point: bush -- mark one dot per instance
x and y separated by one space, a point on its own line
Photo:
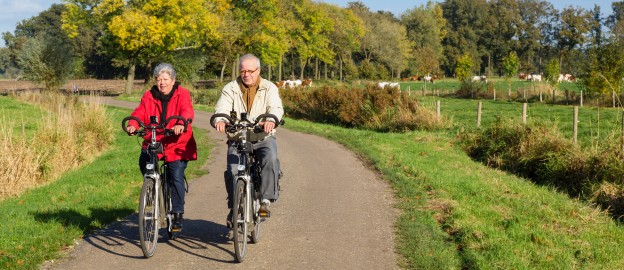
542 154
370 108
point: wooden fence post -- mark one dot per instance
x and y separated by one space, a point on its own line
524 113
575 123
479 115
613 98
581 98
409 90
623 131
438 109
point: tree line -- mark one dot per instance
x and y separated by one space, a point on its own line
311 39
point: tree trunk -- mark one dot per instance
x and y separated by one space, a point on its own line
316 69
148 72
270 69
223 68
234 71
279 75
303 64
130 80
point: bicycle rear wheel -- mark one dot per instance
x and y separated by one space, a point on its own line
240 225
148 221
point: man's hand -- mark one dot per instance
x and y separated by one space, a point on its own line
220 126
268 126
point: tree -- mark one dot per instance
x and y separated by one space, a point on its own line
575 25
551 74
44 59
345 36
463 70
510 68
142 30
425 29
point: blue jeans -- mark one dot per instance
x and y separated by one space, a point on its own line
175 175
264 151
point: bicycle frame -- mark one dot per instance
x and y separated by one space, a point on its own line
156 197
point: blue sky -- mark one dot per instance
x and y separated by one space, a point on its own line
13 11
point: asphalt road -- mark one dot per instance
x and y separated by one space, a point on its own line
333 213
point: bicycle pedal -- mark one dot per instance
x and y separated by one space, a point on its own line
264 214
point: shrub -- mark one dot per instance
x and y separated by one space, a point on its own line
371 108
542 154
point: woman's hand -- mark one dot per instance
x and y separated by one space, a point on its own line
178 129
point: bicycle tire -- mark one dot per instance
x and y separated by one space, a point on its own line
148 221
239 223
255 233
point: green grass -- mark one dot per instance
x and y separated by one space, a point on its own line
21 116
459 214
43 222
595 124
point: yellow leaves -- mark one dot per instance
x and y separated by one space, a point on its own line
135 30
108 7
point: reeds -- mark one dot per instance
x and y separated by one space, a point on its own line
71 134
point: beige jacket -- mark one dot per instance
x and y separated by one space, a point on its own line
267 100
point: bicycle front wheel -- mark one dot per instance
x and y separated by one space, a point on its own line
240 224
148 221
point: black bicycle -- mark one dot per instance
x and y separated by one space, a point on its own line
246 218
155 201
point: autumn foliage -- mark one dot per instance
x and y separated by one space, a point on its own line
370 108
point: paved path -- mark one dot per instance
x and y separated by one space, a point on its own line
333 213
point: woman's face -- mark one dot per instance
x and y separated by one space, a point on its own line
164 82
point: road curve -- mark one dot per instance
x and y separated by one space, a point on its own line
333 213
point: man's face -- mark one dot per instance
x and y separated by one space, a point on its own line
249 71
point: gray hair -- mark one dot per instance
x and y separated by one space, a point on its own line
248 57
164 68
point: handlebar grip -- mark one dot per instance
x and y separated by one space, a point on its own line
226 116
268 115
177 117
125 120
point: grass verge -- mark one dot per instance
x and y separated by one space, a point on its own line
459 214
44 221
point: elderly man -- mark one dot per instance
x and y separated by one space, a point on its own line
253 95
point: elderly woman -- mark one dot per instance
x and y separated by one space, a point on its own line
165 99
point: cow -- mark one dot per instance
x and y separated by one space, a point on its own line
307 82
535 78
389 84
427 79
279 84
479 79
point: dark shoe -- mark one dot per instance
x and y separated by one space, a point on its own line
264 210
178 219
228 221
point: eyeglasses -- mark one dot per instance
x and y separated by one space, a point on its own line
243 72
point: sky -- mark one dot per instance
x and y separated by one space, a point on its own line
14 11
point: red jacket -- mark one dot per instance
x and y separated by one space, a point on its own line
177 147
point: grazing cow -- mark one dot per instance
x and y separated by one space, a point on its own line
280 84
522 76
414 78
307 82
427 79
389 84
479 79
565 78
535 78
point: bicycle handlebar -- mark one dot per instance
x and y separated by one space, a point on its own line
152 126
233 121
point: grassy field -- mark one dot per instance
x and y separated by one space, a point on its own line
595 124
44 221
455 213
459 214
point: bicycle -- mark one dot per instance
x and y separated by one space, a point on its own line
246 218
155 200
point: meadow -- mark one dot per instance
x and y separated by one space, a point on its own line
456 213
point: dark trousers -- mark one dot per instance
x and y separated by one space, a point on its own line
175 176
266 153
